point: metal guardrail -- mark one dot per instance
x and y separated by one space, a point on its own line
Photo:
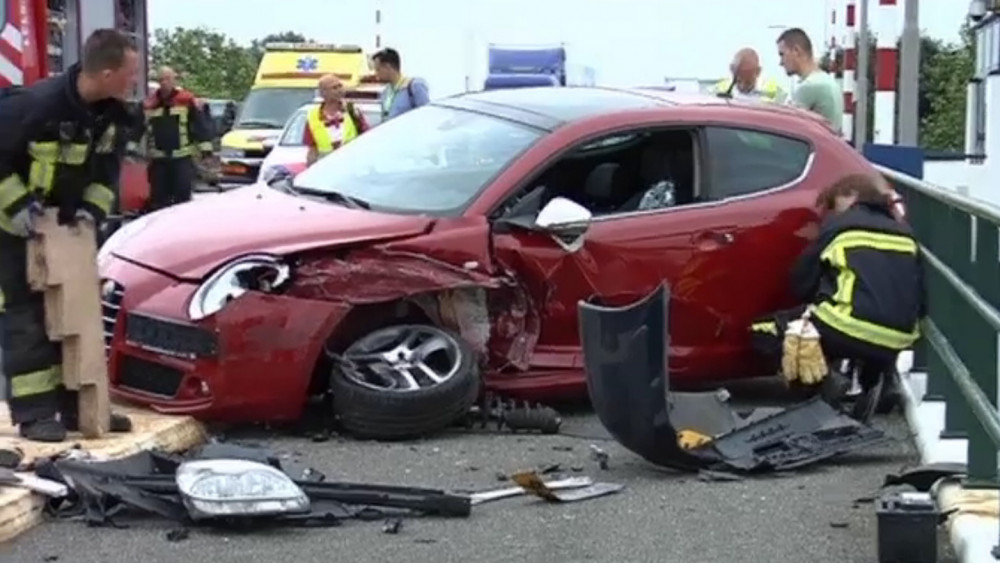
961 345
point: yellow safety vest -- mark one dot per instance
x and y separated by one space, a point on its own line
320 135
769 90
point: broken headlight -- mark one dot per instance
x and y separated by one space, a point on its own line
258 272
232 487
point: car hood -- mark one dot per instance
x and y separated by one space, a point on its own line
191 239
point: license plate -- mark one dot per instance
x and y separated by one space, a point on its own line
236 169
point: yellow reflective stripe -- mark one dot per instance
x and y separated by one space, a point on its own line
769 327
350 129
35 383
179 153
106 143
6 224
101 196
180 111
11 190
321 137
838 313
3 302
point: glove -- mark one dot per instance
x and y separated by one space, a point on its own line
84 215
802 357
23 222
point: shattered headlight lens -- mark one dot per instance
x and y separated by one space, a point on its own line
259 272
230 487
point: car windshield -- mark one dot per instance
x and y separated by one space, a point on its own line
431 160
269 108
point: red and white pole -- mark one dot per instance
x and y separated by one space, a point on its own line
889 24
850 66
378 27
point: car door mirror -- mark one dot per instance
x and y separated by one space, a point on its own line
567 222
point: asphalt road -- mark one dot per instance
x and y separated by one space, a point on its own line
823 515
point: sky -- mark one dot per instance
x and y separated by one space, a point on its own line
628 42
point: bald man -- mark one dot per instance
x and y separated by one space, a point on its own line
175 132
745 69
333 122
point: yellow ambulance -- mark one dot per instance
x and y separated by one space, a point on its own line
286 80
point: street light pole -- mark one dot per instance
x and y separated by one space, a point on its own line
909 76
861 81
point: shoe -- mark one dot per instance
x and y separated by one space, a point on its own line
44 430
119 423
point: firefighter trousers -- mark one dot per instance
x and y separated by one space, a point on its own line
768 333
171 181
31 363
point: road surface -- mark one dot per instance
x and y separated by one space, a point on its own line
819 516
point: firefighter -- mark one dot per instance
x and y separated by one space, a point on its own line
333 122
175 132
62 145
745 80
863 280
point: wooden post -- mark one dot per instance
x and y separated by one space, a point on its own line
62 263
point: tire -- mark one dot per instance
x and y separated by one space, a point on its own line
380 414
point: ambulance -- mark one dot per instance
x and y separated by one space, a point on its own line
286 80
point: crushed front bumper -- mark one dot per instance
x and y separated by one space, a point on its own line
625 357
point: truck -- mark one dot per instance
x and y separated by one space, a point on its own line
527 66
41 38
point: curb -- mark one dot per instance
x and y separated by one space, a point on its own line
972 536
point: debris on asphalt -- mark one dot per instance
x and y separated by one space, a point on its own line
392 526
533 484
923 477
10 458
515 416
838 524
508 492
628 383
549 468
600 456
710 476
178 534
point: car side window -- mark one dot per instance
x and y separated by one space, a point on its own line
295 131
744 161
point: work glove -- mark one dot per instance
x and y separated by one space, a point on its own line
802 357
23 222
84 216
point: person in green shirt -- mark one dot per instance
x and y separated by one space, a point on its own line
817 91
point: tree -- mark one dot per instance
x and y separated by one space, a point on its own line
210 64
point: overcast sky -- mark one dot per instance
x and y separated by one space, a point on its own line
628 41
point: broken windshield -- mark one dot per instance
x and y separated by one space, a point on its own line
431 160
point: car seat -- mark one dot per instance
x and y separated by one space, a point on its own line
654 169
603 184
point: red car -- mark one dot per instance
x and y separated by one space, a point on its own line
450 246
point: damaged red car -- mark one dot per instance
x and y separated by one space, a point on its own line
444 253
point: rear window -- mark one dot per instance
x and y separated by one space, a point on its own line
744 161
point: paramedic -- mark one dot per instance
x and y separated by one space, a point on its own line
62 147
402 94
749 84
331 123
863 277
175 131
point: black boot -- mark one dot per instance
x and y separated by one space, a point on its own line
44 430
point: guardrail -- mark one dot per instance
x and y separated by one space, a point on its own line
959 237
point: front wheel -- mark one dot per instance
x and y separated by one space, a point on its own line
404 381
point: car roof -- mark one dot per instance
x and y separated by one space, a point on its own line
549 107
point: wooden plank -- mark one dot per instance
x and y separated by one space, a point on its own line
21 509
62 263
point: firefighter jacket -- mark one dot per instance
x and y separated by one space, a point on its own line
175 126
350 129
864 276
59 151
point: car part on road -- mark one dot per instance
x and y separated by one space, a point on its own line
534 485
923 477
625 358
403 381
559 484
516 416
152 482
907 527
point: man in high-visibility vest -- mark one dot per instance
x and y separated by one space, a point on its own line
745 68
332 123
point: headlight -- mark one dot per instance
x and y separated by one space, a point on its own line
259 272
231 153
233 487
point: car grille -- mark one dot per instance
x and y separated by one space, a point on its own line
148 377
111 303
169 338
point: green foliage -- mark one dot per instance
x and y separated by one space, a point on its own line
210 64
946 76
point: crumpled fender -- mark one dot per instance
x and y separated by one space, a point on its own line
625 359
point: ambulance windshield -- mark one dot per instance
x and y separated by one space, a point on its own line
270 108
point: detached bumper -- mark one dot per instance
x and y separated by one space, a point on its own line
625 358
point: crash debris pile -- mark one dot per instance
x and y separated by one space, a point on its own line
230 485
626 367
